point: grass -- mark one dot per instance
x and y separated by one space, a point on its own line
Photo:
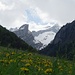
17 62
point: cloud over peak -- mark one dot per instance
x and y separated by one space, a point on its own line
14 13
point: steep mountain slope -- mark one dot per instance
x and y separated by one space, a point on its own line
27 36
9 39
47 35
63 43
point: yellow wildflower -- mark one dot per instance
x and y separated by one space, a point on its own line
29 54
49 70
60 68
24 69
27 65
7 54
13 53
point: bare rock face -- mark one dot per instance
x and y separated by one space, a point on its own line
24 28
24 33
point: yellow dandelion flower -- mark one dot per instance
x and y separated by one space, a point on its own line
11 60
39 68
24 69
50 70
24 54
50 63
46 65
30 60
7 54
13 53
29 54
23 60
27 65
60 68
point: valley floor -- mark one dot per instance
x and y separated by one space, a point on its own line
17 62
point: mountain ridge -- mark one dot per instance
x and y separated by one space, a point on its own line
39 38
63 43
24 33
9 39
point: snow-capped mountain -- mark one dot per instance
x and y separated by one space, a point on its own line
37 39
47 35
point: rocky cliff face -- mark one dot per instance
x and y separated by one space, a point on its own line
27 36
63 43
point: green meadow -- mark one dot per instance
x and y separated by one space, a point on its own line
18 62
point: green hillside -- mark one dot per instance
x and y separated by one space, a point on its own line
9 39
18 62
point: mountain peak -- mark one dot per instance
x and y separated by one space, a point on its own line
24 26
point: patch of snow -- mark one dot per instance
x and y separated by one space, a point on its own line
35 41
21 28
46 37
42 47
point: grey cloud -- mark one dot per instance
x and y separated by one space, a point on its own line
60 10
8 17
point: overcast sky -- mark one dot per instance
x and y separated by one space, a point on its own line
14 13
